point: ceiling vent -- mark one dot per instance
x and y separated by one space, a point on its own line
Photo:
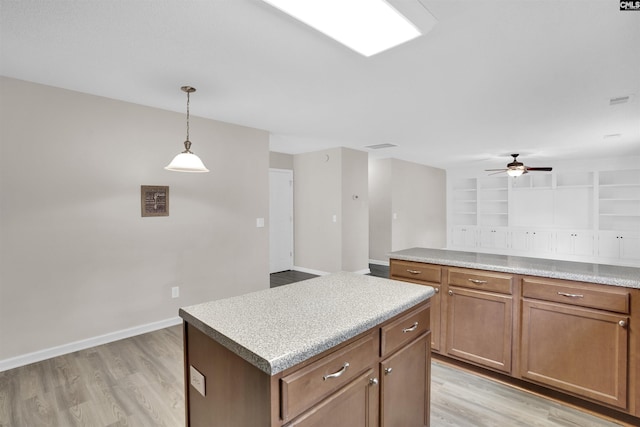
379 146
619 100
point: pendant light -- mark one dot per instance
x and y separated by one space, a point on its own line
187 161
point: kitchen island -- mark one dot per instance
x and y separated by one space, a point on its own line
568 330
342 348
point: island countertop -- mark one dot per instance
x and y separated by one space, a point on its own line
277 328
578 271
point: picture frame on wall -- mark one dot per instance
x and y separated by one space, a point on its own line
154 200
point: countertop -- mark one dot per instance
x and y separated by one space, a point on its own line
628 277
277 328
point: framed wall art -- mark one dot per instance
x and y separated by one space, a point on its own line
154 200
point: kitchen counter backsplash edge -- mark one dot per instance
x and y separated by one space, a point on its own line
603 274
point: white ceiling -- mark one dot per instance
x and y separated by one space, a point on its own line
492 77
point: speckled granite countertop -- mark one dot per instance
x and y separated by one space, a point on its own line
583 272
278 328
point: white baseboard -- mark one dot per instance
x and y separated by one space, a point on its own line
48 353
376 262
365 271
310 271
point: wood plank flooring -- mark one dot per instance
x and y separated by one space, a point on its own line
132 382
139 382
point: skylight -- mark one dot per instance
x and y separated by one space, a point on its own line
366 26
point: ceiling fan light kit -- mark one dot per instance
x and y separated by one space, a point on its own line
187 161
516 168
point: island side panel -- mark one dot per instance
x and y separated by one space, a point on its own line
236 392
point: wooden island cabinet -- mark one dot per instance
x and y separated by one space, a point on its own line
378 377
578 338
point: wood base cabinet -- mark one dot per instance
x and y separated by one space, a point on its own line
479 327
381 378
356 404
576 339
580 339
405 386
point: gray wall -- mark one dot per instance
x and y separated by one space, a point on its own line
416 195
76 258
324 184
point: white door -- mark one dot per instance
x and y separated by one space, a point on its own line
280 220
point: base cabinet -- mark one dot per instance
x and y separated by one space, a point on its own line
581 339
380 378
356 404
405 386
479 327
579 350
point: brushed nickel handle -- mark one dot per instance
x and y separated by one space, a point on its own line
414 271
622 323
437 290
410 328
373 381
337 373
387 371
564 294
477 282
450 292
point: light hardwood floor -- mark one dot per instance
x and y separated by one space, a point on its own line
139 382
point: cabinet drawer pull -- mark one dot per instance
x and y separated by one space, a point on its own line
622 323
436 290
410 328
450 292
387 371
414 271
564 294
373 381
337 373
477 282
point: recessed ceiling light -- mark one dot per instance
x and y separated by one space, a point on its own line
366 26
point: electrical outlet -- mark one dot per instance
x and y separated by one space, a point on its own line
175 292
197 380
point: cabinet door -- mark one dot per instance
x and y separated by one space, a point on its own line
541 242
583 243
630 246
576 349
354 405
464 237
405 383
479 327
609 244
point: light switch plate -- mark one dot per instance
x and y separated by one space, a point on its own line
197 380
259 222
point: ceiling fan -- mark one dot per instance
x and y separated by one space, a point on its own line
517 168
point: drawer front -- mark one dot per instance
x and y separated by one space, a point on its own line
405 329
483 280
415 271
302 389
602 298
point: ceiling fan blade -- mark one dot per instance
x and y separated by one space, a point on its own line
499 171
539 169
491 170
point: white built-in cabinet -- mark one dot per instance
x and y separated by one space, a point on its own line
589 215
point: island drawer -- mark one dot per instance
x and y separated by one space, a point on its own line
401 331
312 383
415 271
485 280
600 297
